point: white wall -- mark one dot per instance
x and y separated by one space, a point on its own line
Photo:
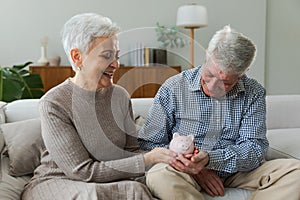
283 47
24 23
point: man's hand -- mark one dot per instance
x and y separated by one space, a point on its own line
193 165
196 151
210 182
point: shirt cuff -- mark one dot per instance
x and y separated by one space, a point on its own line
215 160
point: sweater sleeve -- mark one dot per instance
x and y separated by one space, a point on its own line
69 154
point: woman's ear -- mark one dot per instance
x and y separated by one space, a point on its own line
76 57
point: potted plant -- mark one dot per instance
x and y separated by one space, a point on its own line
169 37
16 82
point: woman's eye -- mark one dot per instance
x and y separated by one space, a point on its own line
110 56
117 57
107 56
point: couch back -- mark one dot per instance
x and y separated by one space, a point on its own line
283 111
28 108
21 110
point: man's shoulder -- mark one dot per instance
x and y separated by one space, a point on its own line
252 85
187 76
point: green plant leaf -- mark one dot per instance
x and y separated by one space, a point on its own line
21 66
34 81
12 90
16 83
33 94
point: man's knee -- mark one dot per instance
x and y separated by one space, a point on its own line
157 174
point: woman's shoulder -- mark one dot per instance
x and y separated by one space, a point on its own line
120 92
60 91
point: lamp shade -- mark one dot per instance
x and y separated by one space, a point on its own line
191 16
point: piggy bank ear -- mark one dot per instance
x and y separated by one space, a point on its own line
191 137
175 135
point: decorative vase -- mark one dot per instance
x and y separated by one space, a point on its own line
54 61
43 60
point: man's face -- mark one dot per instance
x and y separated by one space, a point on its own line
216 83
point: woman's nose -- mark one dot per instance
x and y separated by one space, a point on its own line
115 64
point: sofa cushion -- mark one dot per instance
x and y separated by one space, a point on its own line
2 114
1 141
231 194
284 143
24 145
22 109
139 120
141 106
10 187
2 121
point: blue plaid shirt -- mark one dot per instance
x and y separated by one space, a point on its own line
232 129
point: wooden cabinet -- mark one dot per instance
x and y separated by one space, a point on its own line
140 82
52 75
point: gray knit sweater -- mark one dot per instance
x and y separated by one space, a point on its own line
89 136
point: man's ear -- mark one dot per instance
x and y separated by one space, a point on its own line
76 57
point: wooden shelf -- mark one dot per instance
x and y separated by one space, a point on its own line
52 75
140 82
144 82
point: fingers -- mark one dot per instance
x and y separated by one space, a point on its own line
202 156
185 165
210 182
188 156
159 155
164 155
216 186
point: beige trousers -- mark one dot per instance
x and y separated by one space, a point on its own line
276 179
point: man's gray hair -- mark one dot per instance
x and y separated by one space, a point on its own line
81 30
232 51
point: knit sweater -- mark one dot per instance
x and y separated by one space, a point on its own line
89 136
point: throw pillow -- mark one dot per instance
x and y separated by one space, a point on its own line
2 120
2 115
1 142
24 145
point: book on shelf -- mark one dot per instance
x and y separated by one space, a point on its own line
145 56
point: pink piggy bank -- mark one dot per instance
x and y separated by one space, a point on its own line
182 144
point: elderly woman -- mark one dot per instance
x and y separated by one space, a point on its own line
87 127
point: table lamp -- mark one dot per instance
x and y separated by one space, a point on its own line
191 16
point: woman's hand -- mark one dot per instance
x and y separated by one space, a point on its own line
158 155
210 182
191 165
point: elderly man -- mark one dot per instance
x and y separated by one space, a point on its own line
226 112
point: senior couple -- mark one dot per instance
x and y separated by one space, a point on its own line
94 152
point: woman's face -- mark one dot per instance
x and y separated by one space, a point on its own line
101 61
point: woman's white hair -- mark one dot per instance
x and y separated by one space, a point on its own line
81 30
232 51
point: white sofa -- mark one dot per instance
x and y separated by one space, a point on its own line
283 123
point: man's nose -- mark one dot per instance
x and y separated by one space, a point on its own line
215 83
